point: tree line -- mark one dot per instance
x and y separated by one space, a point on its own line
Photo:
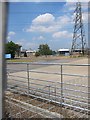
43 49
12 48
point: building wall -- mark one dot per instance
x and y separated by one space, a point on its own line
63 52
30 54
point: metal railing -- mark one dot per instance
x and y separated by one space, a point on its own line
62 84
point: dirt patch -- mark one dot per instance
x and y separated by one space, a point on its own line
15 110
44 58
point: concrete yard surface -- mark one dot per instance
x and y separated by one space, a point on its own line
46 81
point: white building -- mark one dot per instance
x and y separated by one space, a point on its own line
30 53
64 51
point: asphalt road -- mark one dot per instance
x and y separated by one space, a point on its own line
23 67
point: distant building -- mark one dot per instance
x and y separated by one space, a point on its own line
22 52
77 52
65 52
30 53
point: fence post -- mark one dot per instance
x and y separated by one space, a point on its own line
49 96
3 82
61 84
28 76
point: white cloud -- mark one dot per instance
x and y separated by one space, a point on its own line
27 44
48 23
69 6
38 38
43 23
8 38
31 45
85 17
64 20
11 33
41 38
43 28
44 19
84 6
62 34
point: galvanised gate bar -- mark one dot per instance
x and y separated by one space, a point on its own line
47 90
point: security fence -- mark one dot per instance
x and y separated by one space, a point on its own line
47 90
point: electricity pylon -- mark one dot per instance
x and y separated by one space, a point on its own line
79 40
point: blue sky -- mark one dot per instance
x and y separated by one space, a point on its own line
33 23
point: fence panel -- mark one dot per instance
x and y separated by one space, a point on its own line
57 90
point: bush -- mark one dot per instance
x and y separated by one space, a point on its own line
25 54
37 54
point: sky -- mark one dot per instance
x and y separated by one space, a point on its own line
33 23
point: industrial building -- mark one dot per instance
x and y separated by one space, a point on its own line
64 52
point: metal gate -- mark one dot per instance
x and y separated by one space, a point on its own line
47 90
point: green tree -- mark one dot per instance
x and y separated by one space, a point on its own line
44 50
12 48
37 54
18 47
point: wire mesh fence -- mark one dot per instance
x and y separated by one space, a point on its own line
47 90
